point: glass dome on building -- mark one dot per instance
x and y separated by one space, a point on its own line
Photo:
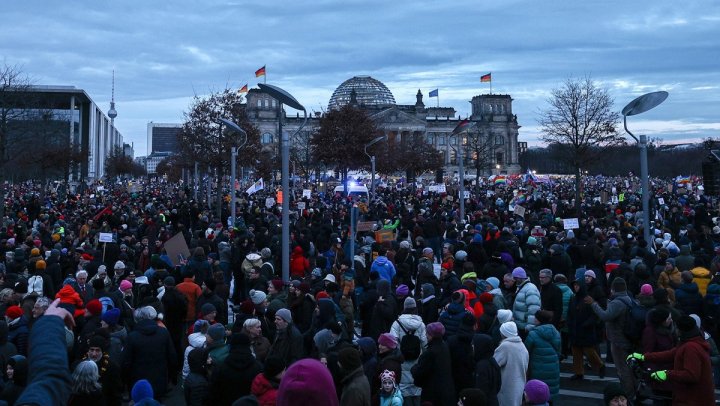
368 91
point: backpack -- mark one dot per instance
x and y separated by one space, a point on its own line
634 321
410 344
35 285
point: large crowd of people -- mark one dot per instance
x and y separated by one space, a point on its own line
430 308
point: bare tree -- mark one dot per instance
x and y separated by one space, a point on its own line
580 117
341 138
480 146
301 154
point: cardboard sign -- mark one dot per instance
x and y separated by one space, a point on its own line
520 211
301 205
177 249
364 226
384 235
106 237
269 202
569 224
306 193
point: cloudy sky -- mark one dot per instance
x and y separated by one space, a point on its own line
163 53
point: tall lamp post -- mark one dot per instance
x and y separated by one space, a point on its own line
642 104
233 165
286 98
463 126
372 163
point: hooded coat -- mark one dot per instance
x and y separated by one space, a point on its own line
299 265
543 344
264 390
384 268
582 321
410 323
688 299
307 383
195 385
149 354
12 390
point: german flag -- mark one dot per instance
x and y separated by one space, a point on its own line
260 72
486 78
243 89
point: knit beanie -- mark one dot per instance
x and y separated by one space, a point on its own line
519 273
13 312
125 285
350 359
494 282
119 265
509 329
409 303
216 332
307 383
207 308
504 315
537 392
435 330
40 264
257 296
111 317
402 290
285 315
94 307
278 284
646 290
388 340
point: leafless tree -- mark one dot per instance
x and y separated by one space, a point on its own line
580 117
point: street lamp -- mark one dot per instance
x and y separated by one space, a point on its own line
372 163
233 158
642 104
462 126
286 98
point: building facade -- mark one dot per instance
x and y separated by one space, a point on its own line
70 118
162 137
493 132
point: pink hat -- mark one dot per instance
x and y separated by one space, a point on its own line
388 340
646 290
125 285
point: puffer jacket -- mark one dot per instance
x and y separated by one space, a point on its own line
411 322
543 344
452 318
527 303
701 276
195 340
567 294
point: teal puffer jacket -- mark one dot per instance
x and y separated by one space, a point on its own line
543 345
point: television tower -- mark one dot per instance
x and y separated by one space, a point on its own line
112 113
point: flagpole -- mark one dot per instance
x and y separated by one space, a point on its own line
438 99
265 75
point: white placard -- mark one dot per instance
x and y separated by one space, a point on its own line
301 205
106 237
441 189
450 198
520 211
569 224
466 194
306 193
269 202
661 201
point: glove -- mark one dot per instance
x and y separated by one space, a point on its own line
635 355
659 376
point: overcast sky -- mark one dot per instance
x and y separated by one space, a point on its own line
165 52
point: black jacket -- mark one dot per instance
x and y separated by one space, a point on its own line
233 378
433 373
149 353
551 299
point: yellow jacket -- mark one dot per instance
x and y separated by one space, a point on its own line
701 276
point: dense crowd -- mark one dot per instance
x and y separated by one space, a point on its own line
430 308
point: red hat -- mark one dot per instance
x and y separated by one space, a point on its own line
94 307
322 295
87 257
486 297
278 284
13 312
